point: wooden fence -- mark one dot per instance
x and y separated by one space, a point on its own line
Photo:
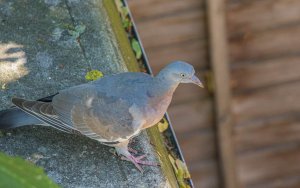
244 131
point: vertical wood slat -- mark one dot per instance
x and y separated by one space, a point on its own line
220 65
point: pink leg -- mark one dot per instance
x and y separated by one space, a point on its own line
123 150
139 160
132 150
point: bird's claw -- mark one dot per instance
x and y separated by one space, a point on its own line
138 160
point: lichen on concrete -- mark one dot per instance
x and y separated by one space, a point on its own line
41 57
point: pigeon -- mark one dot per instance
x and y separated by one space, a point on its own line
111 110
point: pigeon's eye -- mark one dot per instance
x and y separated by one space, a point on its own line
182 75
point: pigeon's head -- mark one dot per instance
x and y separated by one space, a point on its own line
181 72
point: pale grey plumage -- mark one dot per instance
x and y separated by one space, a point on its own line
114 108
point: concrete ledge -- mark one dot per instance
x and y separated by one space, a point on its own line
40 54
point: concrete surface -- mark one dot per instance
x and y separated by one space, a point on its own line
39 55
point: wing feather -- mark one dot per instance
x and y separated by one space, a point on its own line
37 109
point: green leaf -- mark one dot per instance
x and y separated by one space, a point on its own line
93 75
127 23
136 48
16 172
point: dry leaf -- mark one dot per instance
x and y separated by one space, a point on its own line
162 126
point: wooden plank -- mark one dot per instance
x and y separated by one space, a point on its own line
253 75
253 107
173 29
224 121
269 165
150 9
194 52
192 116
282 182
198 145
275 131
265 45
243 17
205 174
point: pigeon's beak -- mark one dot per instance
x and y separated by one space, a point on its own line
196 81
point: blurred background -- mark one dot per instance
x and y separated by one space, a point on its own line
262 41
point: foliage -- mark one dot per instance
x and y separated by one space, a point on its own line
136 48
127 24
16 172
181 172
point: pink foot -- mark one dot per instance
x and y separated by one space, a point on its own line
123 151
138 160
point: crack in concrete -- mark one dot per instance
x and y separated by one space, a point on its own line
78 39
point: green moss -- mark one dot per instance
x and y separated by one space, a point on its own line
93 75
121 36
158 141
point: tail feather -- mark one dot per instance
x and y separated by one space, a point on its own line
15 117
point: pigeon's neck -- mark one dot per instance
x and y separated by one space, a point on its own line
160 95
164 84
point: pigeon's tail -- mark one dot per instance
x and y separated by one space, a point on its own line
15 117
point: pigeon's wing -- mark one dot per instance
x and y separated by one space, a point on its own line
44 112
97 114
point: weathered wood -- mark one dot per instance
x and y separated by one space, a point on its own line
198 145
224 120
264 50
253 107
265 45
183 24
277 130
192 116
254 75
151 9
194 52
270 165
205 174
290 181
255 16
